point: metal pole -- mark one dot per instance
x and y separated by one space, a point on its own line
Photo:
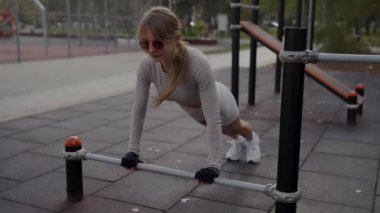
350 58
44 22
135 19
47 21
180 173
174 6
105 26
291 117
309 56
310 27
17 13
299 13
78 154
359 89
68 12
170 4
352 102
252 65
93 17
116 22
235 35
80 23
74 174
280 34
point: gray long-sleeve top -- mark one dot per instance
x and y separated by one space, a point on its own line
199 87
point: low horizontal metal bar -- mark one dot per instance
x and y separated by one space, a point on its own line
351 58
267 189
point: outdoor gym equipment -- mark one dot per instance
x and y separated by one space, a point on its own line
355 98
326 80
286 192
74 154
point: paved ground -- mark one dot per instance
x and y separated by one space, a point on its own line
33 48
37 86
339 164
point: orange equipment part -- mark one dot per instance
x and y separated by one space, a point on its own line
73 141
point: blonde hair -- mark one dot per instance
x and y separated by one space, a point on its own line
164 24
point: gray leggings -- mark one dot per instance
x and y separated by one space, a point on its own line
229 111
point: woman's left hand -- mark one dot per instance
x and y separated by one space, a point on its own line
207 175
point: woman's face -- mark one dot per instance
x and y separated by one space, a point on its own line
160 50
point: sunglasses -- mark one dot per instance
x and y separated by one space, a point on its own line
157 44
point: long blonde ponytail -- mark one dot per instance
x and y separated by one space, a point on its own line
177 73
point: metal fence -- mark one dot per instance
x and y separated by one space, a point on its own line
39 29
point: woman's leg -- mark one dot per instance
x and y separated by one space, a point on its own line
244 137
239 128
236 128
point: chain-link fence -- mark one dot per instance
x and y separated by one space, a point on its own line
39 29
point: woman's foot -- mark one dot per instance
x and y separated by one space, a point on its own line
236 149
253 149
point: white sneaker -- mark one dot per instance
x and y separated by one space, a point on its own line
236 149
253 149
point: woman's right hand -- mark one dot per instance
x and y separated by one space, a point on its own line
130 160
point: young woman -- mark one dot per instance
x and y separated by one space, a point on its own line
182 74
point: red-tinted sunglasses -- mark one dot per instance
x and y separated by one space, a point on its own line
157 44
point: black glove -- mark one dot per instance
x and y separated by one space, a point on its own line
207 175
130 160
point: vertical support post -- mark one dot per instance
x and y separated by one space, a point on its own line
93 16
68 13
46 29
351 108
116 22
235 34
252 64
174 7
80 23
291 119
280 34
42 9
74 178
299 13
310 28
17 14
135 18
360 90
106 26
47 21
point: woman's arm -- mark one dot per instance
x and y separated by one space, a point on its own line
139 106
211 112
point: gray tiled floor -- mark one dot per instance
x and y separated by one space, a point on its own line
339 169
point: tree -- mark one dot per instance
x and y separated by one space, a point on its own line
342 23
